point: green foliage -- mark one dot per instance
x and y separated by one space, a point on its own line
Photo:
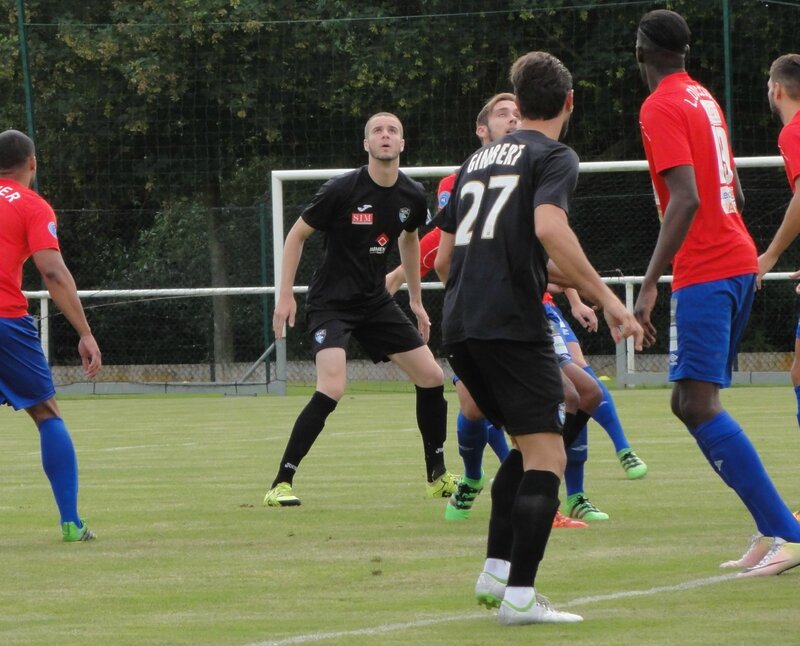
155 117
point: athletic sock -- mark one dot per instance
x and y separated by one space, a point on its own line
573 423
736 461
504 488
577 455
797 396
471 443
306 430
61 467
519 596
497 568
606 415
497 440
432 423
535 506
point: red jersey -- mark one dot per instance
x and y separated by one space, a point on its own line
27 225
789 145
681 125
429 243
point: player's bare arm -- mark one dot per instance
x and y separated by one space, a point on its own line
784 236
286 306
444 256
408 245
563 247
683 203
61 285
582 312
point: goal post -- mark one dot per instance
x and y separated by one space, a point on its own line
625 364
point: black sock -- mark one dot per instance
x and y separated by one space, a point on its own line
535 506
504 490
307 428
432 422
573 424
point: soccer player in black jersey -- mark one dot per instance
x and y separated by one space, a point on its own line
362 214
506 216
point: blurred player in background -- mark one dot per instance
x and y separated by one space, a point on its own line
28 228
362 213
783 93
714 276
507 215
784 100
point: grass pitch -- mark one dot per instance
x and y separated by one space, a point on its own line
186 554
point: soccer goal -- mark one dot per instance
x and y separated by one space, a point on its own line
621 195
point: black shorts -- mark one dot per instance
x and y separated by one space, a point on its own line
516 385
381 330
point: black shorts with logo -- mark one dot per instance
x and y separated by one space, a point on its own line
381 330
516 385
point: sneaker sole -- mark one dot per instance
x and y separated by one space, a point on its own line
488 601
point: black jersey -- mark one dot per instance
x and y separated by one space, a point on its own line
498 272
361 221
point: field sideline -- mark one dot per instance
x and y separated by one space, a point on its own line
186 554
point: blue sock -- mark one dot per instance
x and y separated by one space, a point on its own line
471 443
606 415
577 455
736 461
497 440
797 395
61 467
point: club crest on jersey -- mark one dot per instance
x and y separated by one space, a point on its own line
444 198
319 336
51 227
404 214
380 247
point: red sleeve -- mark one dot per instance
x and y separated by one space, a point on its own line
428 248
664 128
789 144
40 224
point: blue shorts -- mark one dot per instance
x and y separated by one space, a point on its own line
25 377
707 321
797 330
561 332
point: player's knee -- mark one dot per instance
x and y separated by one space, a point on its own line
469 409
795 372
430 376
43 410
591 397
333 388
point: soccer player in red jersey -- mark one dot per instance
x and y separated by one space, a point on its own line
783 92
715 267
28 228
784 100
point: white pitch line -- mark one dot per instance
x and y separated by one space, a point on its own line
388 628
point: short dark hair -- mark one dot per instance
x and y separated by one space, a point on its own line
666 30
541 84
486 110
15 149
786 71
381 114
